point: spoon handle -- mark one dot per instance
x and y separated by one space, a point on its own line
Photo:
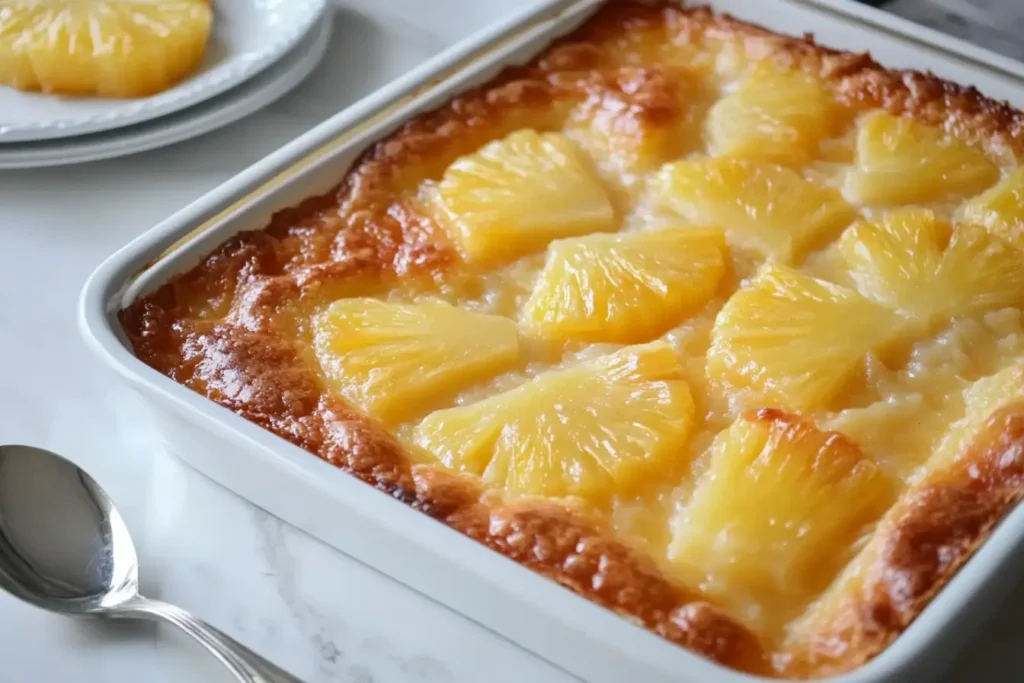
246 665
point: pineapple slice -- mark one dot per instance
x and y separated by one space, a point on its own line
777 514
110 48
1000 209
900 262
775 115
515 195
981 400
762 207
901 161
624 288
794 340
636 118
604 426
393 359
897 432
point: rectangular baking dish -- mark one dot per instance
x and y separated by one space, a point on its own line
539 615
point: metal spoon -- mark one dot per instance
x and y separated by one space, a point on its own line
65 548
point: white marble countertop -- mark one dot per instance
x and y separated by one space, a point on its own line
311 609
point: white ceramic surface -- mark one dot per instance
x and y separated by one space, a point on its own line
312 609
197 120
247 37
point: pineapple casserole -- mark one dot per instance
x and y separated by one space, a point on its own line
718 328
107 48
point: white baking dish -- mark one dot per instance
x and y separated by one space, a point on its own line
413 548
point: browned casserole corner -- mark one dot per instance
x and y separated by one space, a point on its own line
231 329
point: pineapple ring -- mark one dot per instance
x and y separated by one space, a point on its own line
602 427
109 48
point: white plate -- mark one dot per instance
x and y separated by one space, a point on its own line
248 36
202 118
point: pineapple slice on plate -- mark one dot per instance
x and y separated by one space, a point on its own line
515 195
624 288
763 207
792 340
901 161
775 115
393 359
778 513
981 399
913 261
605 426
110 48
1000 209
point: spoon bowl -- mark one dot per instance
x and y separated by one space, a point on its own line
65 548
63 545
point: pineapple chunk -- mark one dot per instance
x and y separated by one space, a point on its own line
515 195
775 115
778 513
604 426
897 432
1000 209
794 340
900 262
901 161
110 48
762 207
637 118
981 400
393 359
624 288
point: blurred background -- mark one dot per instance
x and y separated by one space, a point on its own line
995 24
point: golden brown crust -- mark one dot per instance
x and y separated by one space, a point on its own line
223 330
862 83
926 538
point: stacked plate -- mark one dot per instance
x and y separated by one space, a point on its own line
258 51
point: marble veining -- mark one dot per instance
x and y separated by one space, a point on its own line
315 611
